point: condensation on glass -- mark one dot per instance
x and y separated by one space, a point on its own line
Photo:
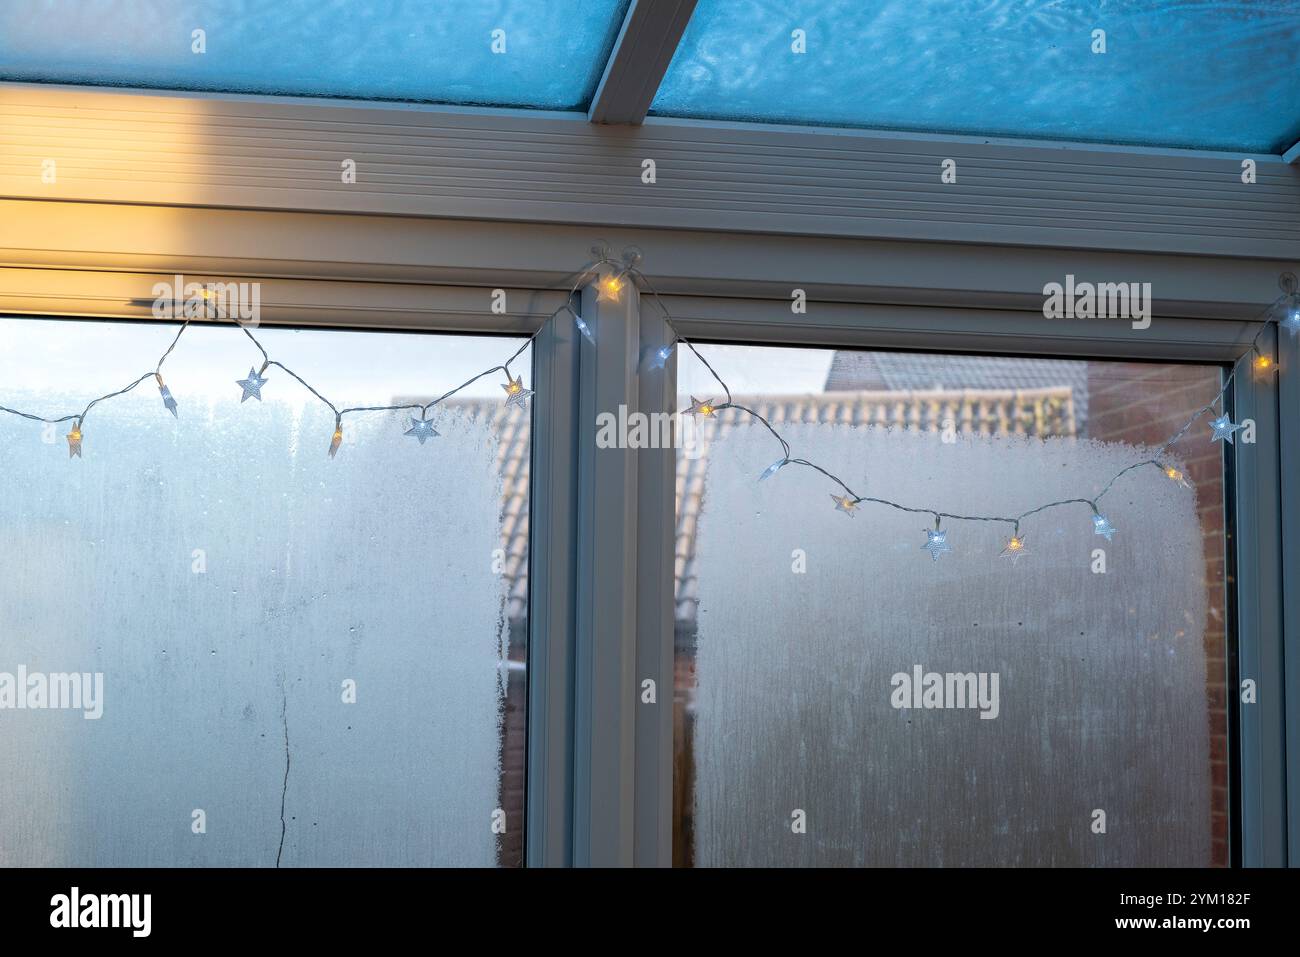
1208 75
794 619
237 588
544 56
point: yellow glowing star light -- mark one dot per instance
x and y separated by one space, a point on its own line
845 504
705 408
1014 547
609 289
74 441
516 394
1263 363
1176 476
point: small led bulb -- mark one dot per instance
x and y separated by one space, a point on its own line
1014 547
659 358
705 408
609 289
166 394
845 503
74 440
516 394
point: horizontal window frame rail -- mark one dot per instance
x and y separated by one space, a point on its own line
286 302
231 151
1001 332
341 248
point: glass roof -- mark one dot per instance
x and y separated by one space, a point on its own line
442 52
1209 74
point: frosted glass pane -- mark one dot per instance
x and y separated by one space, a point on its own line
227 578
794 619
1208 74
553 53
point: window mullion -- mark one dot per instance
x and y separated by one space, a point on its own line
1258 587
606 629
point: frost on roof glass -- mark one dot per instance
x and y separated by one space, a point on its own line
1184 73
512 53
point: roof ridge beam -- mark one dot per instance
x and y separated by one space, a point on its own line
637 64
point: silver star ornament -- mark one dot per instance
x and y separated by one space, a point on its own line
421 429
936 543
1223 429
252 386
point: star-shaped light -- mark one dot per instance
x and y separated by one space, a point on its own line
1223 429
705 408
1290 309
421 429
609 289
74 441
936 542
166 394
337 440
583 327
659 357
1174 475
773 469
1101 526
845 504
1014 548
516 394
252 386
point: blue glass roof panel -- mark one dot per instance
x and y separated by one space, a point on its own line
547 56
1208 74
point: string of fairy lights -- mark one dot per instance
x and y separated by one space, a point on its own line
611 277
421 429
1285 310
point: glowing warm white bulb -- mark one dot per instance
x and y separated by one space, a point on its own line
845 503
705 408
336 441
516 394
1014 547
609 288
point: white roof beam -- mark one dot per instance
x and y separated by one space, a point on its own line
644 48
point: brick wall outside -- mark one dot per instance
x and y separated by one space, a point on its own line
514 744
1146 403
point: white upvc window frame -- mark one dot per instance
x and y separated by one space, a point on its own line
740 216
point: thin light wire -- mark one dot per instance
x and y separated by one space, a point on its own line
629 269
1012 520
267 362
